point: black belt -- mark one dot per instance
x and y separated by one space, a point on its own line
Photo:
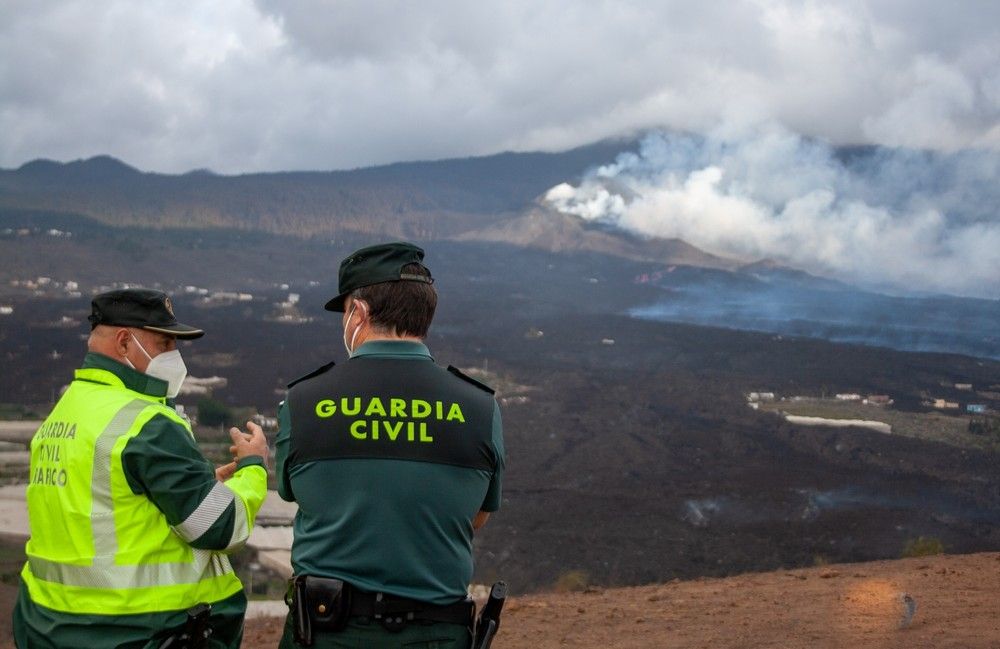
399 610
326 604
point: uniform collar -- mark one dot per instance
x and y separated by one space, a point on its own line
398 348
104 369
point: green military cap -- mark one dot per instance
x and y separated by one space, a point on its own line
376 264
142 308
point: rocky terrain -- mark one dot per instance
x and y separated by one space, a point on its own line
941 602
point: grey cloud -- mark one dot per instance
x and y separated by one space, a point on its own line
241 86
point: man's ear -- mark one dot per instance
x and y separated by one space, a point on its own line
122 339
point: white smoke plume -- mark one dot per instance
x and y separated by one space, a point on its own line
893 219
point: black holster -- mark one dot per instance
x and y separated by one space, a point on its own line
489 619
317 604
196 631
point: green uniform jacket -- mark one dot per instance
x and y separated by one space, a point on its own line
378 520
161 463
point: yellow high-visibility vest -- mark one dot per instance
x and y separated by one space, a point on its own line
96 547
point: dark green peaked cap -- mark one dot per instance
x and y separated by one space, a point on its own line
142 308
376 264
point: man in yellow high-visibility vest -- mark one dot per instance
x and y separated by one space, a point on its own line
130 524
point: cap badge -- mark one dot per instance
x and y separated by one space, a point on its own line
169 306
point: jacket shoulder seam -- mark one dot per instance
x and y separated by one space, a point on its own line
316 372
465 377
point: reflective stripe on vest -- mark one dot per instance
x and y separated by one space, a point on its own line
209 511
103 573
207 573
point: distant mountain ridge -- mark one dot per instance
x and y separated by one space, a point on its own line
491 199
423 200
97 167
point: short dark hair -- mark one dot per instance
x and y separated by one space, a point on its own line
403 307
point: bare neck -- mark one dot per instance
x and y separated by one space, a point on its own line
382 336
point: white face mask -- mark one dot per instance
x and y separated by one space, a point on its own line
350 347
168 366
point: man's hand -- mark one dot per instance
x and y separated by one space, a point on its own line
225 471
247 444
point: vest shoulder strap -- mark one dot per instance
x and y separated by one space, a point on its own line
465 377
316 372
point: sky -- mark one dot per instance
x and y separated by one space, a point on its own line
242 85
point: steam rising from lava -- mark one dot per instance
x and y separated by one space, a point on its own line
892 219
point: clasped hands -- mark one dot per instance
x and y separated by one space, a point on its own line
244 445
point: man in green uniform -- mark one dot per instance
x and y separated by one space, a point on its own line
394 463
129 522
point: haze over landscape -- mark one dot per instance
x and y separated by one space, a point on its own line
734 269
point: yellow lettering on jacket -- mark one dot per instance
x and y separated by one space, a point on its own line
375 408
326 408
455 413
419 409
392 419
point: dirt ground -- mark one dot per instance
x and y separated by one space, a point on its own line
849 606
855 606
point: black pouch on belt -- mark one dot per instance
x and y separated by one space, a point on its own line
328 602
317 603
